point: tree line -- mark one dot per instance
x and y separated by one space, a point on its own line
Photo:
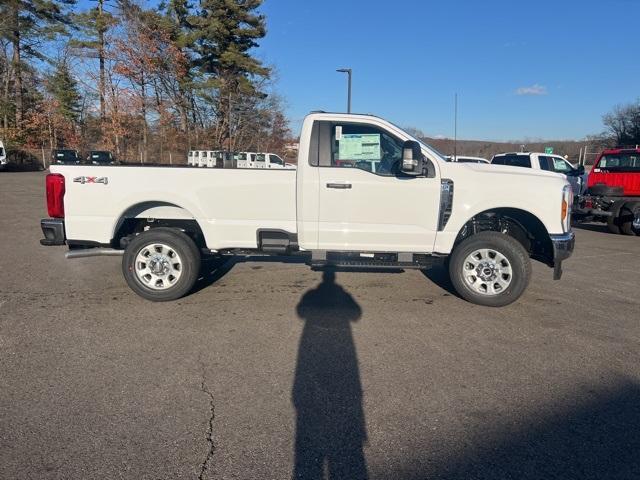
136 80
622 125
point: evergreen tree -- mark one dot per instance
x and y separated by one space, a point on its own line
25 23
63 88
225 32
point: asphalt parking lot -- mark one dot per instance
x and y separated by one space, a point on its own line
272 371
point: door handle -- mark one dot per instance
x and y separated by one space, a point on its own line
339 185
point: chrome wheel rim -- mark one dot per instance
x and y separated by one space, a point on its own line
487 271
158 266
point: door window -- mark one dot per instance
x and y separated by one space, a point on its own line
365 147
545 163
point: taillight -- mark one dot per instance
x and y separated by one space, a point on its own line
55 195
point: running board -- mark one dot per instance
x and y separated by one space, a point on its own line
93 252
373 261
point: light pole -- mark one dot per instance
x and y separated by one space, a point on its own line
348 72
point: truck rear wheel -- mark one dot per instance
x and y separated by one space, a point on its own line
161 264
627 214
490 268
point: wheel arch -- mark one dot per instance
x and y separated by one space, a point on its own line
152 214
520 224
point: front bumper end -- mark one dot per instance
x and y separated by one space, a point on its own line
563 246
53 230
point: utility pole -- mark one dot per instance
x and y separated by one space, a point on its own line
455 128
348 72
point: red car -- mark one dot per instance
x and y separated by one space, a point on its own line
613 191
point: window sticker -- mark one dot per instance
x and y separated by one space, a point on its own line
359 146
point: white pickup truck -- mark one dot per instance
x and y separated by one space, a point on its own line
335 211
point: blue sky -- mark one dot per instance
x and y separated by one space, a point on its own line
544 69
522 70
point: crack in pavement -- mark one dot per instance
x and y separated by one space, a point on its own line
205 464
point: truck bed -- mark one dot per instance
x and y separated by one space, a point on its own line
229 204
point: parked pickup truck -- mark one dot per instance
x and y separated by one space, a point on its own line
545 161
613 193
334 211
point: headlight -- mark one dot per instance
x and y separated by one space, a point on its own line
565 210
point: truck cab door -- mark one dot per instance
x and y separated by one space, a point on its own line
364 202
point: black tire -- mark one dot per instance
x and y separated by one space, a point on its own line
509 247
600 189
182 245
625 219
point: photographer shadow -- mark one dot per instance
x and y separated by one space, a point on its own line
327 391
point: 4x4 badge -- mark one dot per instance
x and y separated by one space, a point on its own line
84 180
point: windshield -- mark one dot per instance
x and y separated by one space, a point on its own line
621 162
442 156
100 157
66 155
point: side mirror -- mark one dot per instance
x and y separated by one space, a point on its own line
580 170
412 159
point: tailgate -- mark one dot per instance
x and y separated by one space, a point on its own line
629 181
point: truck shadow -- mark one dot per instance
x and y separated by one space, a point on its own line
213 268
327 391
439 275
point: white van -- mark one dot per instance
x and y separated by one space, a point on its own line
199 158
3 155
211 158
217 158
244 159
192 158
202 158
267 160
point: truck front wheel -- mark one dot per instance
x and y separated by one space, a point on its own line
628 214
161 264
490 268
613 222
